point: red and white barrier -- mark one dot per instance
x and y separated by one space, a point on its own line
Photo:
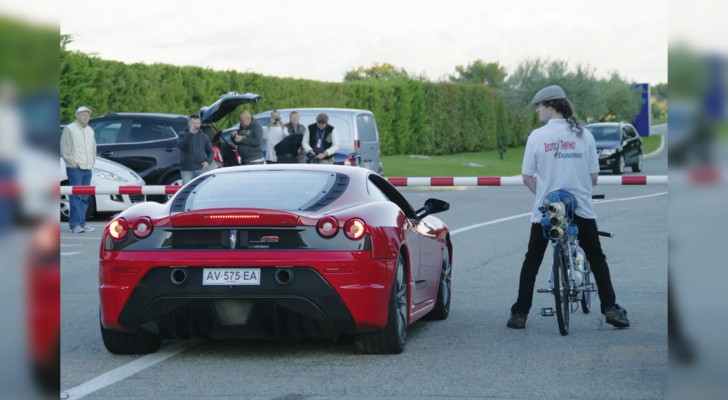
435 181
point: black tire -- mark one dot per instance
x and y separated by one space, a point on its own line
444 291
391 339
561 291
619 166
637 167
128 343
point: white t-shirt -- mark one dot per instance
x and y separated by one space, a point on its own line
561 160
275 135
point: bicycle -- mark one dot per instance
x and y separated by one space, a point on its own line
570 279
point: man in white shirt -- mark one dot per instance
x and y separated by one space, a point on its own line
562 155
78 149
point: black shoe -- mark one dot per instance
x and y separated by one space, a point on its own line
517 321
616 316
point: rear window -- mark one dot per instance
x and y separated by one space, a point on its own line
367 128
279 190
605 132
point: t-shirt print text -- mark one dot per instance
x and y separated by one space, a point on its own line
559 148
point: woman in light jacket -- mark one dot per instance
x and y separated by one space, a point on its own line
276 132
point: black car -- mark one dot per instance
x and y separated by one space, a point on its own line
618 146
147 142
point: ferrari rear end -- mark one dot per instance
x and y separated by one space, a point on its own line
243 255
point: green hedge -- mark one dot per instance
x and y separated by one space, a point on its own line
413 116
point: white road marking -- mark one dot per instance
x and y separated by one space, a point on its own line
127 370
82 238
70 253
496 221
70 245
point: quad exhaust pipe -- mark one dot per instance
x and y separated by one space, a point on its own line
284 276
178 276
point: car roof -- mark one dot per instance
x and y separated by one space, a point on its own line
609 123
143 115
319 110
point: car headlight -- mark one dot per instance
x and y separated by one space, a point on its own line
607 152
102 173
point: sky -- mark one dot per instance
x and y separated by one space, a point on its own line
323 39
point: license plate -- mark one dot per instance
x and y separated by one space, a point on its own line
231 276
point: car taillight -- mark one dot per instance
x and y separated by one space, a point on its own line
327 226
217 154
354 228
142 227
118 228
349 161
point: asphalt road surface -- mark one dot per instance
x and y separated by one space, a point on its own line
471 355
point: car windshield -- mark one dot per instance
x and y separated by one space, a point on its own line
280 190
610 133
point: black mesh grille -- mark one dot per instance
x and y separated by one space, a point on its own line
342 181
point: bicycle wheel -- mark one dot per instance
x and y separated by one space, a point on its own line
561 290
586 294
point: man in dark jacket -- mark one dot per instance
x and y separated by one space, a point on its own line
321 141
249 139
196 155
287 149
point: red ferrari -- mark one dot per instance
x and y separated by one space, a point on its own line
275 251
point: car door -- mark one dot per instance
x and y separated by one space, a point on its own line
629 145
110 137
368 138
150 149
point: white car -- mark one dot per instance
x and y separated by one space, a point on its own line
105 173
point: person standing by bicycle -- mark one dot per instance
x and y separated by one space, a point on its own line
562 155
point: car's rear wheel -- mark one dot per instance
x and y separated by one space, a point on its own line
128 343
638 166
391 339
442 304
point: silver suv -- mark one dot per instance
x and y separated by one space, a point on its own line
357 130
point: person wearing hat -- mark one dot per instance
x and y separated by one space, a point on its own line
78 149
564 157
321 142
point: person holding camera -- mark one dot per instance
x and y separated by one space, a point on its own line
249 139
276 132
321 142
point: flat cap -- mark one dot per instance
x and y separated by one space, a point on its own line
82 109
552 92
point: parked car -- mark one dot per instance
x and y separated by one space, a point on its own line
357 130
147 142
284 250
108 174
618 146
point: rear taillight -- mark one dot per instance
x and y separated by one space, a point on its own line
142 227
327 226
355 228
357 145
217 154
118 229
349 161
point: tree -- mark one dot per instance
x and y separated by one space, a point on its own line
385 71
491 74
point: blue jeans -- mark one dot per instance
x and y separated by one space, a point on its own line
190 175
79 203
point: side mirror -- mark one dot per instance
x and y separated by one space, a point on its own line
432 206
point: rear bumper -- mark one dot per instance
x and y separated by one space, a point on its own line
341 292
